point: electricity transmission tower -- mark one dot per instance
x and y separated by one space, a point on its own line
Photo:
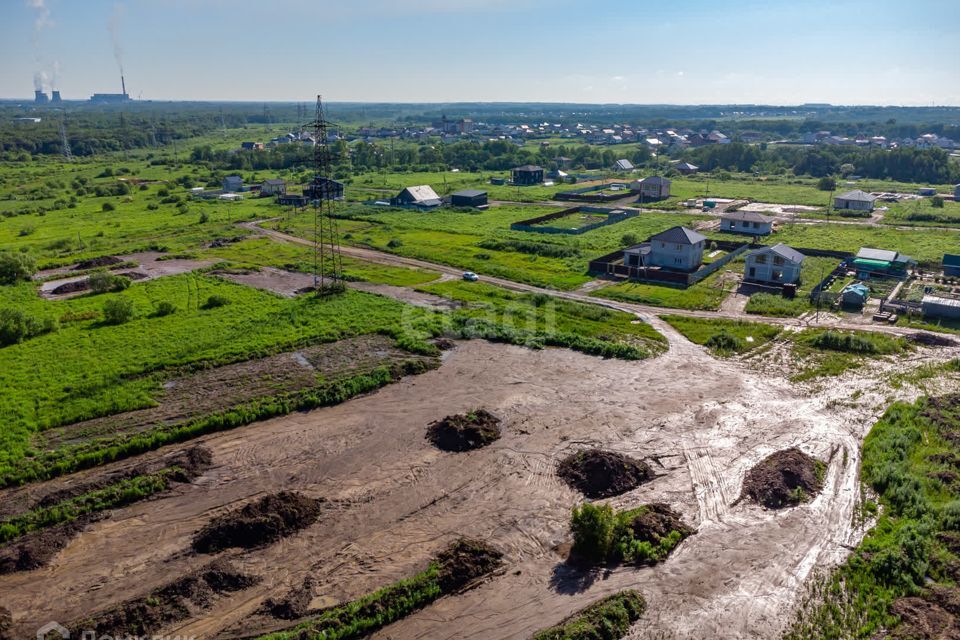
327 261
64 143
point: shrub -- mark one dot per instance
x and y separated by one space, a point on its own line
826 184
629 239
16 326
165 308
215 301
107 206
605 619
104 281
16 266
118 310
846 342
592 527
936 202
725 342
394 243
204 218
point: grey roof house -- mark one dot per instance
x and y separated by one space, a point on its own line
854 201
748 222
677 248
775 265
422 196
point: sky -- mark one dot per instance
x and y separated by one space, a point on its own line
884 52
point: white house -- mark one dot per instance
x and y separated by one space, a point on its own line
778 264
677 248
854 200
273 187
748 222
422 196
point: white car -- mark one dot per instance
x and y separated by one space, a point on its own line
470 276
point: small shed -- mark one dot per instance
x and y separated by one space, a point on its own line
623 165
469 198
292 200
748 222
528 174
951 265
855 295
926 191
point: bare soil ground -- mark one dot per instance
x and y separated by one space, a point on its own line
150 265
220 388
291 283
259 523
396 500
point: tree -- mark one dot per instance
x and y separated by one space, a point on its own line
16 266
592 527
827 183
936 202
629 239
103 281
847 169
118 310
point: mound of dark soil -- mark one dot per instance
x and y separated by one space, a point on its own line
96 263
784 479
294 605
657 521
71 287
464 561
171 603
444 344
463 432
932 340
134 275
931 617
37 548
190 463
224 242
259 523
600 474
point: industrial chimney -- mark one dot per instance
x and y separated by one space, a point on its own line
123 86
55 98
39 97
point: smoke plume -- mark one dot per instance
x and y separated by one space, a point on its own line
41 21
113 26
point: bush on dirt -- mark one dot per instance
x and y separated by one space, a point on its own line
606 619
104 281
646 534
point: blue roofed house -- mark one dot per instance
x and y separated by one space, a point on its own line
677 248
855 294
778 264
951 265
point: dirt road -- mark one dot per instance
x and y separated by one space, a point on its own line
396 500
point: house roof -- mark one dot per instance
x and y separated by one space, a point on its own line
746 216
624 164
422 193
643 248
686 166
858 195
679 235
528 167
655 180
470 193
274 181
950 260
782 250
883 255
860 289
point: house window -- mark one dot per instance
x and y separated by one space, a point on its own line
677 261
777 260
777 275
761 259
679 247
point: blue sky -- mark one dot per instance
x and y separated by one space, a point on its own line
623 51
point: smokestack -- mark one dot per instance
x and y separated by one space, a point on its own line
123 85
55 98
39 97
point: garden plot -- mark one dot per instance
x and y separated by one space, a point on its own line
398 500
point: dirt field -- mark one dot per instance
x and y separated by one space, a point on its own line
395 500
290 283
150 266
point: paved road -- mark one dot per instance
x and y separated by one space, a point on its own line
641 310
